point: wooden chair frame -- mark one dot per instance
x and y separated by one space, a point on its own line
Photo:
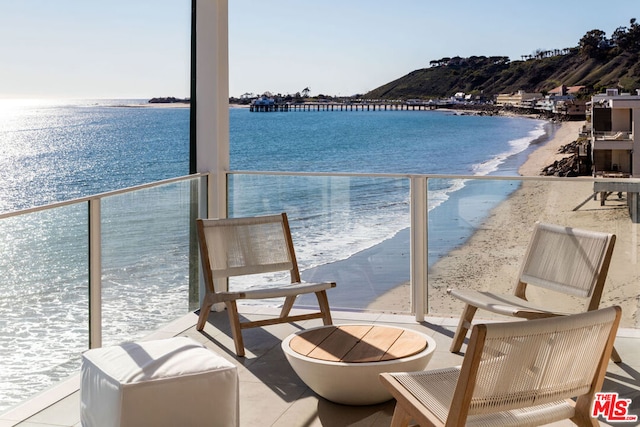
220 274
573 242
513 374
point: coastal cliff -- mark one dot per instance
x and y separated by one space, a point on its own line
597 62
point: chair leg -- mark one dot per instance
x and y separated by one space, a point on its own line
615 356
236 331
288 305
400 418
582 416
205 309
323 302
463 326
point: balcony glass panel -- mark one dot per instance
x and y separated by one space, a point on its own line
495 220
346 228
351 230
149 278
146 254
43 300
478 230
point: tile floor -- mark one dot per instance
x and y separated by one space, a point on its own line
271 394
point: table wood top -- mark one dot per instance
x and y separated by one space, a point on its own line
358 343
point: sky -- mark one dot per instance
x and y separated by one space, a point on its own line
140 48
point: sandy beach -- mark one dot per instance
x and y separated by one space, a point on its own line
491 258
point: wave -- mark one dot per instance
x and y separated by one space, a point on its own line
516 146
353 234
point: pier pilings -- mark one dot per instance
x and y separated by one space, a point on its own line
330 106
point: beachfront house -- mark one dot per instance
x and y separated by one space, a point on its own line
560 101
613 137
520 99
563 100
614 140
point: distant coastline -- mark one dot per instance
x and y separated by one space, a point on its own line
460 109
169 100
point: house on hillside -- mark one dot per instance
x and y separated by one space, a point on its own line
567 91
615 144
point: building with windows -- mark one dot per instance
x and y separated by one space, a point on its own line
563 100
520 99
614 117
615 144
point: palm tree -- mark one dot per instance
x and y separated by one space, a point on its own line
305 92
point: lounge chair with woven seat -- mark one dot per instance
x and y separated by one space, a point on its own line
247 246
514 374
562 259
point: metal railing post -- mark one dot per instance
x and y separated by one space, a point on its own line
419 249
195 203
203 211
95 274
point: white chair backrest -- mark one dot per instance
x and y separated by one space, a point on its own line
566 259
242 246
538 361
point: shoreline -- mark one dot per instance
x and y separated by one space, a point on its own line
491 257
397 299
382 271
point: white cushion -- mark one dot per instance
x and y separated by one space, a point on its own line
169 382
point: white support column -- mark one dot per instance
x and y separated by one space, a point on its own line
212 104
212 99
419 250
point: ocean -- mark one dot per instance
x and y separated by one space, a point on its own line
53 151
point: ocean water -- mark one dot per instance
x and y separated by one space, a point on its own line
52 151
434 142
63 150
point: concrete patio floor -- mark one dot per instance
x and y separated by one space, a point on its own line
271 394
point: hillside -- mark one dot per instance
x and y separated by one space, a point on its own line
597 63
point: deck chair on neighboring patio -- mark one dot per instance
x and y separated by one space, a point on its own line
558 258
245 246
514 374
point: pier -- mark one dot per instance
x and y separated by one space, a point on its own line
329 106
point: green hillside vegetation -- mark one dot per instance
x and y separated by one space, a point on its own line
597 63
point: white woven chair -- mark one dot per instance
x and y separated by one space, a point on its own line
562 259
245 246
514 374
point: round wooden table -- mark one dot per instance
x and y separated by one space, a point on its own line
342 363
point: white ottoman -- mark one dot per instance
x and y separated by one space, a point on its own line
171 382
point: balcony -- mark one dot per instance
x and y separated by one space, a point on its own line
271 394
359 230
612 140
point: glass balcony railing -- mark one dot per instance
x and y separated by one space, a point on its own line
146 259
340 226
361 231
43 299
114 267
490 257
95 271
